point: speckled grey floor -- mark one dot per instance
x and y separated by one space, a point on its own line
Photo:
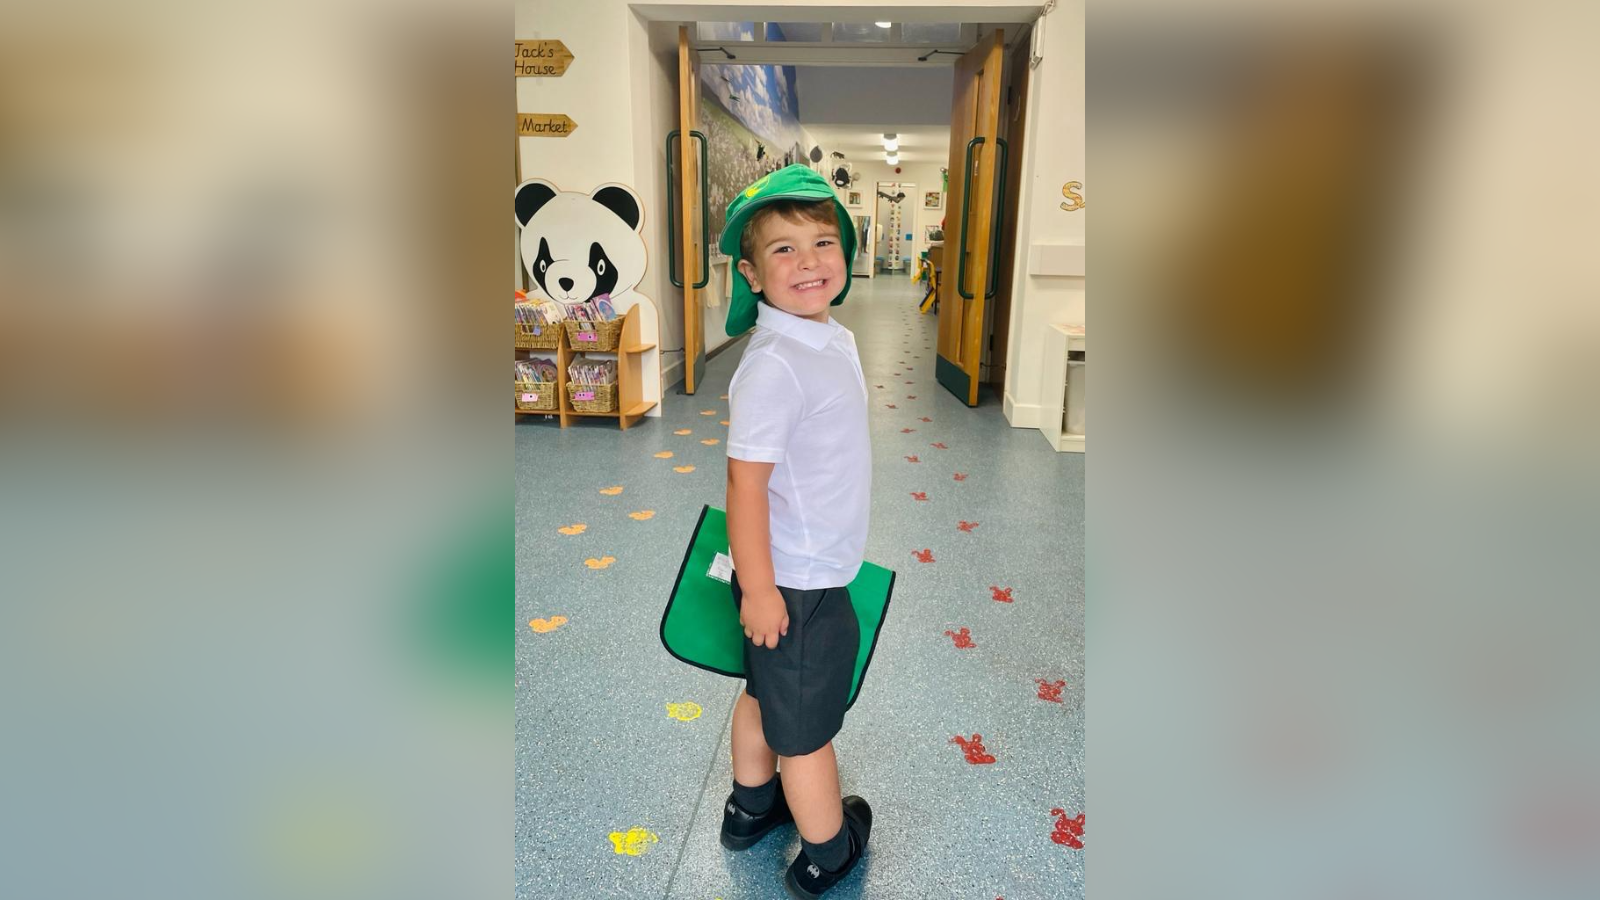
598 754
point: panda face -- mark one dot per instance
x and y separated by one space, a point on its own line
572 281
581 246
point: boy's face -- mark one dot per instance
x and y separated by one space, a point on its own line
798 264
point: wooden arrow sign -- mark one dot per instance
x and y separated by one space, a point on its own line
542 59
544 125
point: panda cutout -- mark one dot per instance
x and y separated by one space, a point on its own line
578 247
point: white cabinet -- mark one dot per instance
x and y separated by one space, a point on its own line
1062 390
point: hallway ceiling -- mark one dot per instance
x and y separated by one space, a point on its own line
919 144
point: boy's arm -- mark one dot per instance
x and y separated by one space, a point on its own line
762 611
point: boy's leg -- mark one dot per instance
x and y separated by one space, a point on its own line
754 763
811 784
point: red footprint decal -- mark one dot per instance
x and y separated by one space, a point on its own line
961 476
919 495
1068 831
963 639
926 419
911 397
966 526
913 459
878 386
911 382
1050 690
974 750
923 555
1003 596
940 446
892 406
907 430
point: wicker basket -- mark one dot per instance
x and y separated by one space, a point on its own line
548 338
602 336
593 398
534 396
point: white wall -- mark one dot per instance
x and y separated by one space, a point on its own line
1053 155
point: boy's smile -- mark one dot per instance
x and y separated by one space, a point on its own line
798 265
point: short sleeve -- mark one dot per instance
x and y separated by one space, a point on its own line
765 406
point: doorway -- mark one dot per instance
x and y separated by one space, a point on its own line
892 249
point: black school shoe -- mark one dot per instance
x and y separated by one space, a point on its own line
807 880
741 830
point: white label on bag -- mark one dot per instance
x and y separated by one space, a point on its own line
721 568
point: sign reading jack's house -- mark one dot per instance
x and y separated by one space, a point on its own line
542 59
544 125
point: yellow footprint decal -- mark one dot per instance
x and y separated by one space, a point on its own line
574 528
683 470
665 454
684 712
611 491
683 431
635 843
545 625
708 412
600 563
641 515
710 442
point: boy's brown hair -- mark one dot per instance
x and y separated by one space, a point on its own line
819 212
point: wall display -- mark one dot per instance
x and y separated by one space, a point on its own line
933 200
542 59
852 198
545 125
737 157
586 252
1075 200
933 233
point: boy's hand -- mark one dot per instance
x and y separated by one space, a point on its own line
764 617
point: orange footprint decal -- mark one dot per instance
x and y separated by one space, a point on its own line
665 454
575 528
723 397
683 470
708 412
635 842
925 556
611 491
684 431
546 625
724 422
966 526
711 442
642 515
600 563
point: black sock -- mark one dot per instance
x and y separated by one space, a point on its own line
832 853
755 800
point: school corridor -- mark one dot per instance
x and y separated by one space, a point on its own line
622 752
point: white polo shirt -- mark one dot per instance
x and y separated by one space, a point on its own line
799 400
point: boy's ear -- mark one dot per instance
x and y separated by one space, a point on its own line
748 270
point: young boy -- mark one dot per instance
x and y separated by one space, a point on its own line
799 478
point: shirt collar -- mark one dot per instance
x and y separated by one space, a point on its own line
815 335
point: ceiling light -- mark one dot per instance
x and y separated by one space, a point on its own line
883 24
893 159
891 146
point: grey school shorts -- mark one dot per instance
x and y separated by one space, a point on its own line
803 684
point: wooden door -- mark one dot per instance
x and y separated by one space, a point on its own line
969 265
689 151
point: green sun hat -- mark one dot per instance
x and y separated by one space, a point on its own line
797 182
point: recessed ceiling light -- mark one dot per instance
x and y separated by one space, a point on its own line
883 24
893 159
891 146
